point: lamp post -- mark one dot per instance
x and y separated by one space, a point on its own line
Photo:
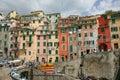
31 65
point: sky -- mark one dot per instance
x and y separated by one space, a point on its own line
65 7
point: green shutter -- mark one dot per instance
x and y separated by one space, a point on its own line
90 26
44 50
56 36
102 29
71 48
70 38
56 60
5 43
39 21
91 34
27 32
49 36
44 43
23 37
49 51
56 51
33 21
38 44
30 38
113 21
37 59
5 36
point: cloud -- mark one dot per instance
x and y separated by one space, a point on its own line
105 5
65 7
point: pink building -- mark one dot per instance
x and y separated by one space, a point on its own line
42 51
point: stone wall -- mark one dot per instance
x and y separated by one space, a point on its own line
97 65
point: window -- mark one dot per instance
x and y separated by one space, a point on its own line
85 34
23 37
27 32
33 32
70 38
29 52
38 37
71 48
5 43
49 36
90 26
50 60
42 27
114 29
41 32
5 36
104 38
49 51
39 21
25 53
102 29
56 51
37 59
44 50
63 30
75 38
116 45
30 44
91 34
79 42
63 38
44 43
30 38
56 60
33 21
38 50
44 37
51 44
79 34
115 36
63 47
92 42
56 36
85 27
113 21
23 45
38 44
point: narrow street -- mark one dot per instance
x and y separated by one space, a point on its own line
4 73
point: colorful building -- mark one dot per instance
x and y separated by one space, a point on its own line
64 24
114 23
103 34
4 38
87 34
73 38
53 43
42 38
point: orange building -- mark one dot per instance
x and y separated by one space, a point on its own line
64 24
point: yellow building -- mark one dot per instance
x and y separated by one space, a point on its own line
27 45
53 44
114 23
12 14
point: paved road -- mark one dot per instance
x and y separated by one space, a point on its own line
4 73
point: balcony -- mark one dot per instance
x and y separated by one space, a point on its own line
14 48
29 41
23 48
